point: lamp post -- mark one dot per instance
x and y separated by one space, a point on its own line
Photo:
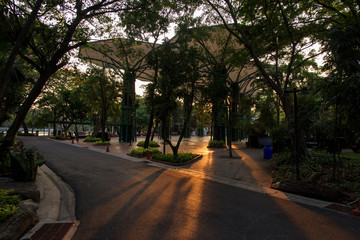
286 93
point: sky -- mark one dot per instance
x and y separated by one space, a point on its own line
139 90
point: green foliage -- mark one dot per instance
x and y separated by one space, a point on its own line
7 204
142 114
92 139
151 144
100 93
24 163
100 143
278 135
16 88
25 134
216 144
320 163
58 137
353 156
141 152
180 158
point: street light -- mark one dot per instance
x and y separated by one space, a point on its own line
286 93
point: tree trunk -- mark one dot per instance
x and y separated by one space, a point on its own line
150 125
103 125
26 129
188 102
230 132
54 123
25 107
76 133
97 128
155 129
215 123
289 114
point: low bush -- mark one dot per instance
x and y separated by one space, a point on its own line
92 139
25 134
169 157
20 163
100 143
141 152
318 169
58 137
8 204
24 163
151 144
216 144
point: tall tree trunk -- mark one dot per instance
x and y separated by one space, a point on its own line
155 129
97 128
54 122
25 107
289 114
103 123
26 129
215 122
76 133
230 127
150 125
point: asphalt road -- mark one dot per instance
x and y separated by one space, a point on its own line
120 199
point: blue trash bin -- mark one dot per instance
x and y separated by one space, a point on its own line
268 151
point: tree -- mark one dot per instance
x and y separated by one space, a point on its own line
341 88
101 93
278 36
142 115
126 53
178 76
62 97
20 39
55 34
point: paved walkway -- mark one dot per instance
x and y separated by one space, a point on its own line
247 164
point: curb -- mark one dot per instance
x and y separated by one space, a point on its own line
57 203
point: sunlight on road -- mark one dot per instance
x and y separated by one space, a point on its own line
301 216
143 207
258 173
192 208
120 200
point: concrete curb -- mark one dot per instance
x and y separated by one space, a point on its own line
57 203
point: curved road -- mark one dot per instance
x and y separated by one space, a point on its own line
120 199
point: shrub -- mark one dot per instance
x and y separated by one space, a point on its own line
92 139
216 144
7 204
100 143
58 137
24 163
318 168
169 157
151 144
141 152
279 139
25 134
